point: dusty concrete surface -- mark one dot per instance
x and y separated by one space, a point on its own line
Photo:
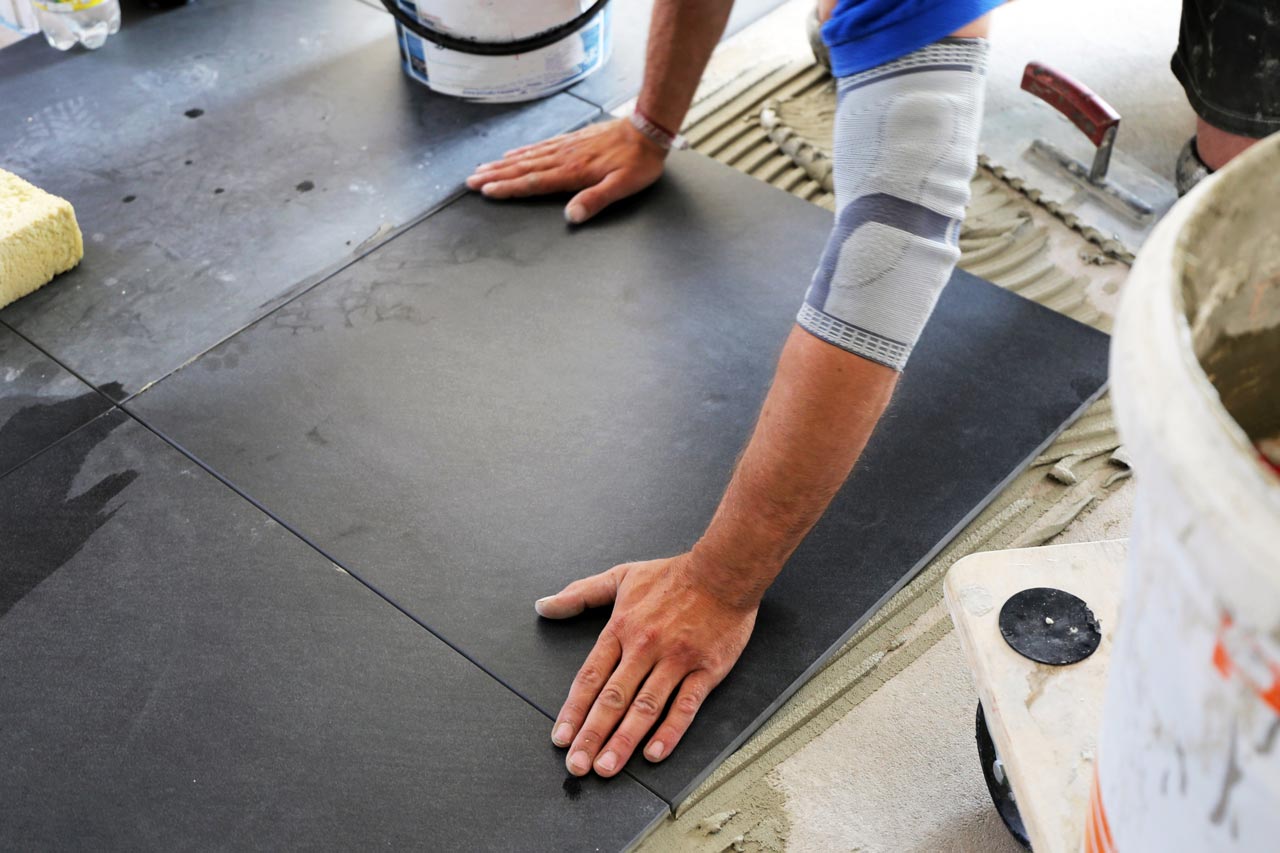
898 774
1108 520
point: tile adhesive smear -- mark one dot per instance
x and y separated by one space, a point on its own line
1189 754
497 51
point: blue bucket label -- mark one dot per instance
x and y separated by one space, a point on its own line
520 77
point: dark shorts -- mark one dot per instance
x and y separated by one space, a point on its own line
1228 61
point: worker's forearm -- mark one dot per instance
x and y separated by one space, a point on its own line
817 418
682 35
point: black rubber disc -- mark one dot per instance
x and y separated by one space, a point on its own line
1050 626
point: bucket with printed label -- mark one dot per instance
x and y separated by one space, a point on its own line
1189 752
499 51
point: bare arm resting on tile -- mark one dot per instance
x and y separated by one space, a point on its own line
679 624
611 160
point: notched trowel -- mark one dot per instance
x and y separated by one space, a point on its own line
1071 157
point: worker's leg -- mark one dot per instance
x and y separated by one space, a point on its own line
1228 62
905 148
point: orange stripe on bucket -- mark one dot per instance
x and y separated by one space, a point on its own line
1097 830
1272 694
1226 667
1222 660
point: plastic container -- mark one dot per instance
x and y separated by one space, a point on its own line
498 51
1189 753
17 15
86 22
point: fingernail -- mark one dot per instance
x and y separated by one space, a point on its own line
608 762
655 750
487 189
540 605
579 762
562 735
575 213
473 182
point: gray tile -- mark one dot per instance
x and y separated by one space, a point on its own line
494 404
621 78
40 402
187 674
311 146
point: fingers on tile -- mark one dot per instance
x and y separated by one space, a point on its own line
610 704
693 692
640 718
595 591
591 677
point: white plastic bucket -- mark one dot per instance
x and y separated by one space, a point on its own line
473 25
1189 753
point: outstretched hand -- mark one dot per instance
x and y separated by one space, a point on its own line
602 163
669 634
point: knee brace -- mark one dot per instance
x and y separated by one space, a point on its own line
906 145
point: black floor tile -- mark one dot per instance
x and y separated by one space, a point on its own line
221 156
177 671
494 404
40 402
620 79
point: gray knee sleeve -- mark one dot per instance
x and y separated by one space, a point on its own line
906 144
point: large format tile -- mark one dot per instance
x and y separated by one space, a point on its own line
40 402
494 404
621 78
178 671
305 144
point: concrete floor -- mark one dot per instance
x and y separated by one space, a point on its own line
900 773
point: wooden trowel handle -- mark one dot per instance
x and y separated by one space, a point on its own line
1085 109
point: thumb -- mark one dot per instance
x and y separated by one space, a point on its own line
595 591
592 200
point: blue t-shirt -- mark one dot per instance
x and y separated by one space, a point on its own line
865 33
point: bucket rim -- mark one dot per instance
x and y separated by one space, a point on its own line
528 44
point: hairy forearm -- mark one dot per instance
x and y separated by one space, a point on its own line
815 421
682 35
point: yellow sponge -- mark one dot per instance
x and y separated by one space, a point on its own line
39 237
